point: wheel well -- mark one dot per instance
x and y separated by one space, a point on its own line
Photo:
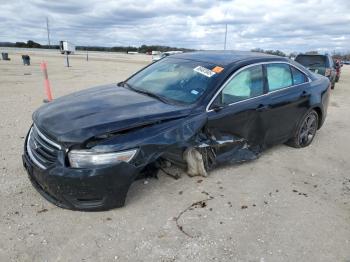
319 113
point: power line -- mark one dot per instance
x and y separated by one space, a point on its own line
48 31
225 37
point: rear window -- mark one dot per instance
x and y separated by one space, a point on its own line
298 77
312 60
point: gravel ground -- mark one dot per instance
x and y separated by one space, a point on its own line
289 205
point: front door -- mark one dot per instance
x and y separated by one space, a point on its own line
237 108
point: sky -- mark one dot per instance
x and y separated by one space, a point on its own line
199 24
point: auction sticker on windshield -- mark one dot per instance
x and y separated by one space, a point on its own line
217 69
204 71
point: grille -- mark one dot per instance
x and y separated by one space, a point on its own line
41 150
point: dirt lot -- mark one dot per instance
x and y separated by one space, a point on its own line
289 205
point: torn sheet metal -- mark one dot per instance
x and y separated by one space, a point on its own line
194 145
196 148
214 152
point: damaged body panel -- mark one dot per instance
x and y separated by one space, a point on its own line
195 110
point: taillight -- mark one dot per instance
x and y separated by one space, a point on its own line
328 72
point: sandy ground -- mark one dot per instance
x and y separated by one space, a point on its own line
289 205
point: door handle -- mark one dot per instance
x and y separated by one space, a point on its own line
262 108
304 94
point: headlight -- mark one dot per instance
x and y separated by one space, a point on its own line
89 158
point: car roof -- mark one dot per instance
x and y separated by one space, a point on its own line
224 58
312 55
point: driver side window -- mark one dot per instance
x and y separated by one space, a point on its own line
246 84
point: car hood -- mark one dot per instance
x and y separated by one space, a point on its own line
77 117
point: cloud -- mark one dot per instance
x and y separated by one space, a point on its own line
270 24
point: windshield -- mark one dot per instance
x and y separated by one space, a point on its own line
176 80
311 60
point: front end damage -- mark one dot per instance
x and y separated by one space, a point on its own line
185 142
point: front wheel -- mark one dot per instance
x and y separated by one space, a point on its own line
306 130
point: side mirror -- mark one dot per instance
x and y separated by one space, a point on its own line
216 106
120 83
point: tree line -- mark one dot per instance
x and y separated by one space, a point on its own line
150 48
125 49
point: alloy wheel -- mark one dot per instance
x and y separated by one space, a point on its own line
308 130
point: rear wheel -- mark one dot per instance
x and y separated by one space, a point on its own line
333 82
306 130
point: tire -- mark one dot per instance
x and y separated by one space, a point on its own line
306 130
333 80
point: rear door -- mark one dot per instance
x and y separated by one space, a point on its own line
288 101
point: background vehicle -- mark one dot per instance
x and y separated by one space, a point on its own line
67 47
320 64
84 150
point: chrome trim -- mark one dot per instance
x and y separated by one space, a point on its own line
268 93
47 139
29 150
47 147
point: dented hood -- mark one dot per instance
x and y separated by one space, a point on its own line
96 111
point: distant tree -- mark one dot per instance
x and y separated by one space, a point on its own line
29 44
336 55
7 44
145 48
258 50
20 44
275 52
32 44
293 55
270 52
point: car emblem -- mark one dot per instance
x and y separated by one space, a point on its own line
36 146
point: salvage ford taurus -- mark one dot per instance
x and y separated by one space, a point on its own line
194 110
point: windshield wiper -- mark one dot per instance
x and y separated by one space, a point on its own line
150 94
145 92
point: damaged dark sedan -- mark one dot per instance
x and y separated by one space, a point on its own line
193 110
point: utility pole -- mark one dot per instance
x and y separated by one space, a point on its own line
225 37
48 31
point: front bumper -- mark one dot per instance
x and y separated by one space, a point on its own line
95 189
